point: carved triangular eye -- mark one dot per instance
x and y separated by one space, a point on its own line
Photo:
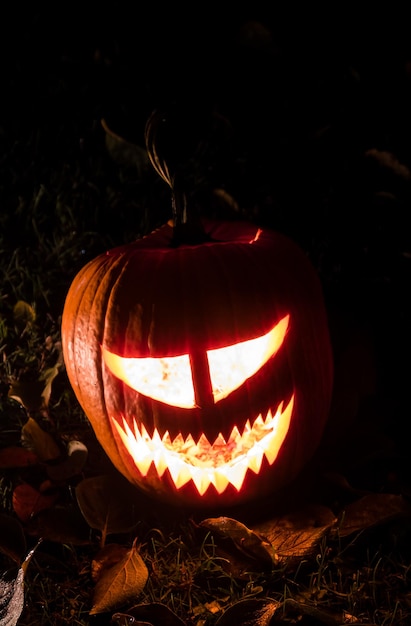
169 379
230 367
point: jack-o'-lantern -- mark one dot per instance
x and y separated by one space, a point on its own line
204 368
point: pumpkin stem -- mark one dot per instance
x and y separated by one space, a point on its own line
187 226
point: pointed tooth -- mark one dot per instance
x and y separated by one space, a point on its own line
236 473
201 480
127 430
258 421
220 442
187 445
189 441
235 436
143 464
179 472
117 425
271 451
178 441
203 441
144 439
255 458
220 481
247 427
157 441
160 461
138 450
275 439
126 441
269 417
141 432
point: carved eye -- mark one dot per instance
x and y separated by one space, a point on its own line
170 379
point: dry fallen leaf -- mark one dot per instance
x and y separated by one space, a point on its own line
23 314
126 152
47 377
251 611
121 583
108 556
252 543
318 615
11 598
12 592
34 395
267 611
148 614
28 501
14 457
298 534
108 504
39 441
372 510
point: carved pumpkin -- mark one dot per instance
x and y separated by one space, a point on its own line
205 370
201 356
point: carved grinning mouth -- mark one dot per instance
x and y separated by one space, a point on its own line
224 462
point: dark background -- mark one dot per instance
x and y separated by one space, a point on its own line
315 140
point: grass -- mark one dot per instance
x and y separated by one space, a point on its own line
361 584
68 192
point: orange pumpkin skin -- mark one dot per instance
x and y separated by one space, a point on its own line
150 299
